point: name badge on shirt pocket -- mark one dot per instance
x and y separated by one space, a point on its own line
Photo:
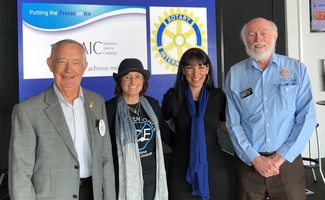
246 93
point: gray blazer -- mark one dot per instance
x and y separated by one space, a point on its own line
43 162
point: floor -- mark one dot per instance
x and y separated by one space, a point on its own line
317 187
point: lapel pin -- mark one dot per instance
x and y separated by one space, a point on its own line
285 73
91 104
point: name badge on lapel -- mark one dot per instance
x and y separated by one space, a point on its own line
101 127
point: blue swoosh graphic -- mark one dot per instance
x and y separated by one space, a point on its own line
49 16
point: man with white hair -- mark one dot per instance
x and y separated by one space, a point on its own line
60 145
270 117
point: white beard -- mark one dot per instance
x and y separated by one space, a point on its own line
260 55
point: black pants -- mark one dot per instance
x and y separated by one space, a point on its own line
86 189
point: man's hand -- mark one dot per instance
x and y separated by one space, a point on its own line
279 160
266 166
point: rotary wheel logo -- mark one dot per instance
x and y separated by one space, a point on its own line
175 33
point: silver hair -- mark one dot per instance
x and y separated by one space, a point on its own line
55 46
243 32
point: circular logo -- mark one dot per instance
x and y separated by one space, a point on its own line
176 32
101 127
285 73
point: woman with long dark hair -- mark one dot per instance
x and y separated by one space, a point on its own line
198 168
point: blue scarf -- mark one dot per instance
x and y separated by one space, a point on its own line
197 171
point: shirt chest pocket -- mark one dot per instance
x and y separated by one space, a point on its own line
285 98
249 105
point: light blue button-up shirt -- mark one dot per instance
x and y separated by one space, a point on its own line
76 118
270 110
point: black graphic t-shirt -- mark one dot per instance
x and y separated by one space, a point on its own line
146 134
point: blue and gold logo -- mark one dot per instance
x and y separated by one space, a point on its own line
318 5
176 32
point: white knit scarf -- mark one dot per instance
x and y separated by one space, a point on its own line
130 170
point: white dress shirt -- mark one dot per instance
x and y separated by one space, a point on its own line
75 116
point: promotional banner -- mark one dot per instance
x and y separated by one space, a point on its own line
317 15
156 34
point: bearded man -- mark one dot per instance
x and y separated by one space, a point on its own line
270 117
